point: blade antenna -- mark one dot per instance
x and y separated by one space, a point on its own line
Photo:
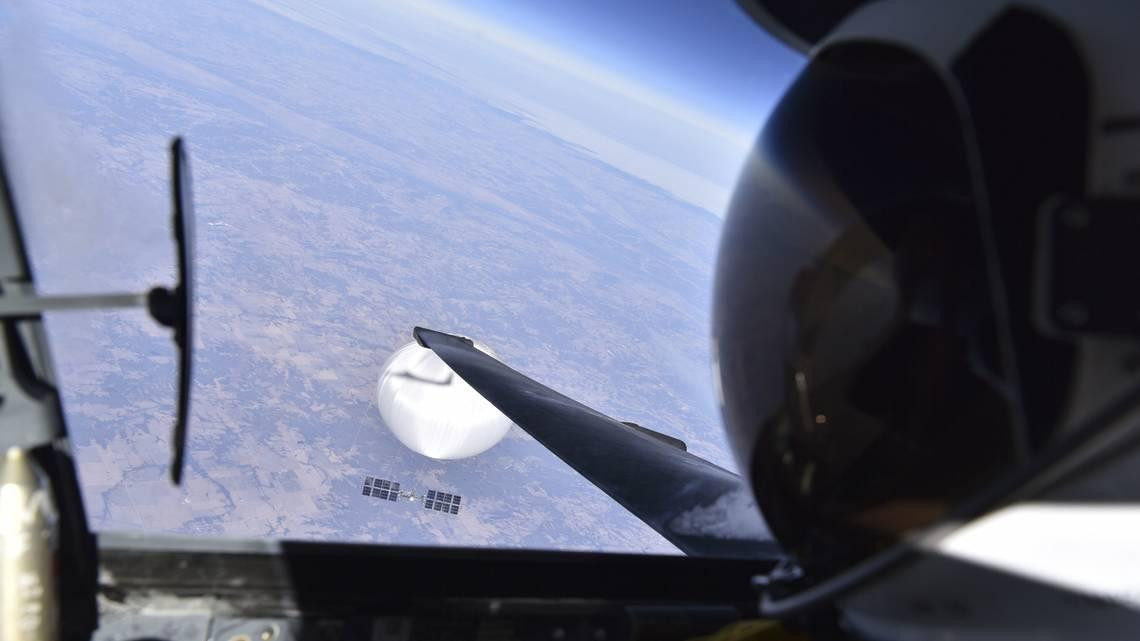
169 307
173 308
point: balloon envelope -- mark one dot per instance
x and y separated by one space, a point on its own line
434 412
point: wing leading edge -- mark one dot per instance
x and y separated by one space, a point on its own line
702 509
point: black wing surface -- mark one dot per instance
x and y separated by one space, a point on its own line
702 509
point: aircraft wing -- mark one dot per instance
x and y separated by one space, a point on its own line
702 509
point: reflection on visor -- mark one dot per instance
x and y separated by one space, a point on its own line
890 408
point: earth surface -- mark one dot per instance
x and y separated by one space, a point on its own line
358 170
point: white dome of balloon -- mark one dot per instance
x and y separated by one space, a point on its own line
432 410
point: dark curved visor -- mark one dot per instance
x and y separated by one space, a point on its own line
857 334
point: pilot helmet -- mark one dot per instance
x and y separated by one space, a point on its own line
923 283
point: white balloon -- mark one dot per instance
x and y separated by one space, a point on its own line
432 410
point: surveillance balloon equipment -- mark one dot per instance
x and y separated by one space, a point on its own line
170 307
434 412
389 491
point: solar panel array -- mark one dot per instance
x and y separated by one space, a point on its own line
442 502
381 489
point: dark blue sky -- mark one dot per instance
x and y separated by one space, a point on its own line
704 53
